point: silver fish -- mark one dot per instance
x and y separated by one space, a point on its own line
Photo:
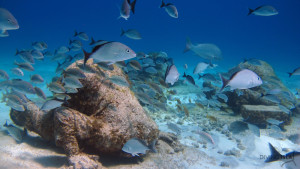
135 146
51 104
75 43
40 93
110 52
243 79
106 66
170 9
205 50
265 10
81 35
119 80
3 75
174 127
22 86
126 8
56 87
295 72
71 90
15 106
39 45
37 54
15 132
59 56
74 72
171 75
26 56
151 70
61 96
72 82
135 64
36 78
201 67
131 33
7 20
274 121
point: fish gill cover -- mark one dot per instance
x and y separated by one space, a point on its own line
233 90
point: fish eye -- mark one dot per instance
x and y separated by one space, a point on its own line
8 20
258 78
127 51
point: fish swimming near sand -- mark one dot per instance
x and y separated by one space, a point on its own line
295 72
135 147
171 75
110 52
264 10
119 80
170 9
291 160
51 104
243 79
15 132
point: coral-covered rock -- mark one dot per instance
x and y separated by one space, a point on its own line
100 118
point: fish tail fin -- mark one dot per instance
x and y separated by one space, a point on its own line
5 125
17 52
275 155
290 74
224 81
132 6
152 146
122 32
162 4
199 76
92 41
75 33
86 57
250 11
188 45
184 75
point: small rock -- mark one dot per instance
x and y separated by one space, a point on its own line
233 152
220 152
204 146
167 118
241 147
224 164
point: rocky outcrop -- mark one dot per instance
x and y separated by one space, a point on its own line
100 118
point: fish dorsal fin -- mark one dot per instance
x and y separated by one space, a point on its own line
99 46
132 6
275 155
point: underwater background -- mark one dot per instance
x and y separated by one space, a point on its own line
273 39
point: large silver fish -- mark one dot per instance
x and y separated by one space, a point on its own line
171 75
170 9
204 50
126 8
15 132
265 10
201 66
7 21
243 79
110 52
135 147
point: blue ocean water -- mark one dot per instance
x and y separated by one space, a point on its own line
274 39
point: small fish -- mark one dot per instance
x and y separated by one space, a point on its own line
87 68
171 75
121 64
74 72
59 56
36 78
295 72
135 146
272 92
131 33
40 93
15 132
119 80
272 98
126 8
200 105
81 35
22 86
7 20
151 70
56 87
62 49
265 10
26 56
75 48
71 90
51 104
205 50
106 66
39 45
170 9
61 96
135 64
206 136
15 106
207 77
144 98
75 43
212 118
36 54
72 82
291 160
12 98
3 75
23 98
243 79
186 111
274 121
47 54
110 52
189 79
155 87
223 97
201 67
174 127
